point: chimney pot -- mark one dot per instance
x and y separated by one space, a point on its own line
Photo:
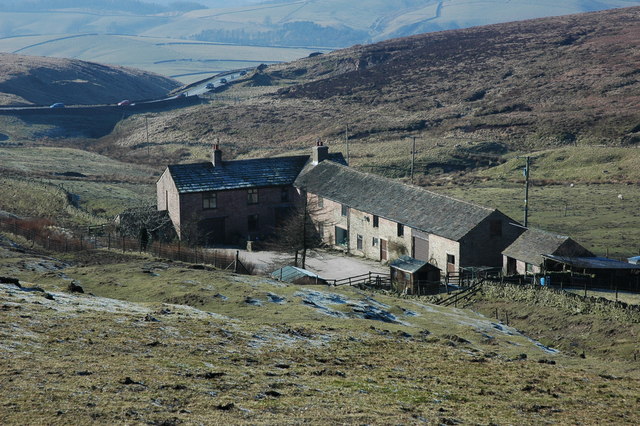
216 156
320 152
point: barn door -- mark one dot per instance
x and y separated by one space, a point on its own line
420 249
383 250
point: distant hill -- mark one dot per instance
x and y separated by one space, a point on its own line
545 82
47 27
26 80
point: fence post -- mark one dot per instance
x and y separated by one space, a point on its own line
123 243
235 266
109 241
81 246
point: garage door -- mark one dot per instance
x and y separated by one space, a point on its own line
420 249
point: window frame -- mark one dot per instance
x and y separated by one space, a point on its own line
359 242
376 221
207 198
344 210
400 230
252 196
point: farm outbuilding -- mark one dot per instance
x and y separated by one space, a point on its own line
526 255
413 276
598 272
295 275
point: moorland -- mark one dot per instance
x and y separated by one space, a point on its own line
159 342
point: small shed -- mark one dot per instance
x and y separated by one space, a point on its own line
413 276
604 272
295 275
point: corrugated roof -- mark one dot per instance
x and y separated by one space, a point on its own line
408 264
533 243
410 205
593 262
252 173
292 273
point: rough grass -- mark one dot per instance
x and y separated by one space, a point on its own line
37 183
560 321
86 359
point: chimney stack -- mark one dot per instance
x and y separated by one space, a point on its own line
320 152
216 156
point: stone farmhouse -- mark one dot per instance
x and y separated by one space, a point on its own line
383 219
361 213
220 202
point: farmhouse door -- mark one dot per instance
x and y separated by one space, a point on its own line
383 250
212 231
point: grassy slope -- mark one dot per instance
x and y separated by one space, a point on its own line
42 81
68 359
34 184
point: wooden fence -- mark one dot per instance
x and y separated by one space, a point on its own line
49 237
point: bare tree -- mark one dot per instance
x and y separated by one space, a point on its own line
301 230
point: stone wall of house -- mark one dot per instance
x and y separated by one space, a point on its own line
358 223
234 208
439 248
167 198
483 246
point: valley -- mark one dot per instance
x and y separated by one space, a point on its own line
115 335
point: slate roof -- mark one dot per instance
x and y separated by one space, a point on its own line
251 173
593 262
410 205
534 243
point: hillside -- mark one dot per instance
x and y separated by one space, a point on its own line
548 82
154 342
26 80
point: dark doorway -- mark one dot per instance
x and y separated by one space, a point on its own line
211 231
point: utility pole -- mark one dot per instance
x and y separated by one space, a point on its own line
346 140
413 157
146 124
526 192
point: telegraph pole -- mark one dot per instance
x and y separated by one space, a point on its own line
413 157
146 124
526 192
346 141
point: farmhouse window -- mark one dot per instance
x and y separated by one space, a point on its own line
374 242
252 222
321 230
209 200
400 230
320 202
495 228
376 221
359 242
252 196
451 259
344 210
284 195
342 237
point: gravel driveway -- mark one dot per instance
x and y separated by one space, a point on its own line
328 265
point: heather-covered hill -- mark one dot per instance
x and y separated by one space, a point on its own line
545 82
36 80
